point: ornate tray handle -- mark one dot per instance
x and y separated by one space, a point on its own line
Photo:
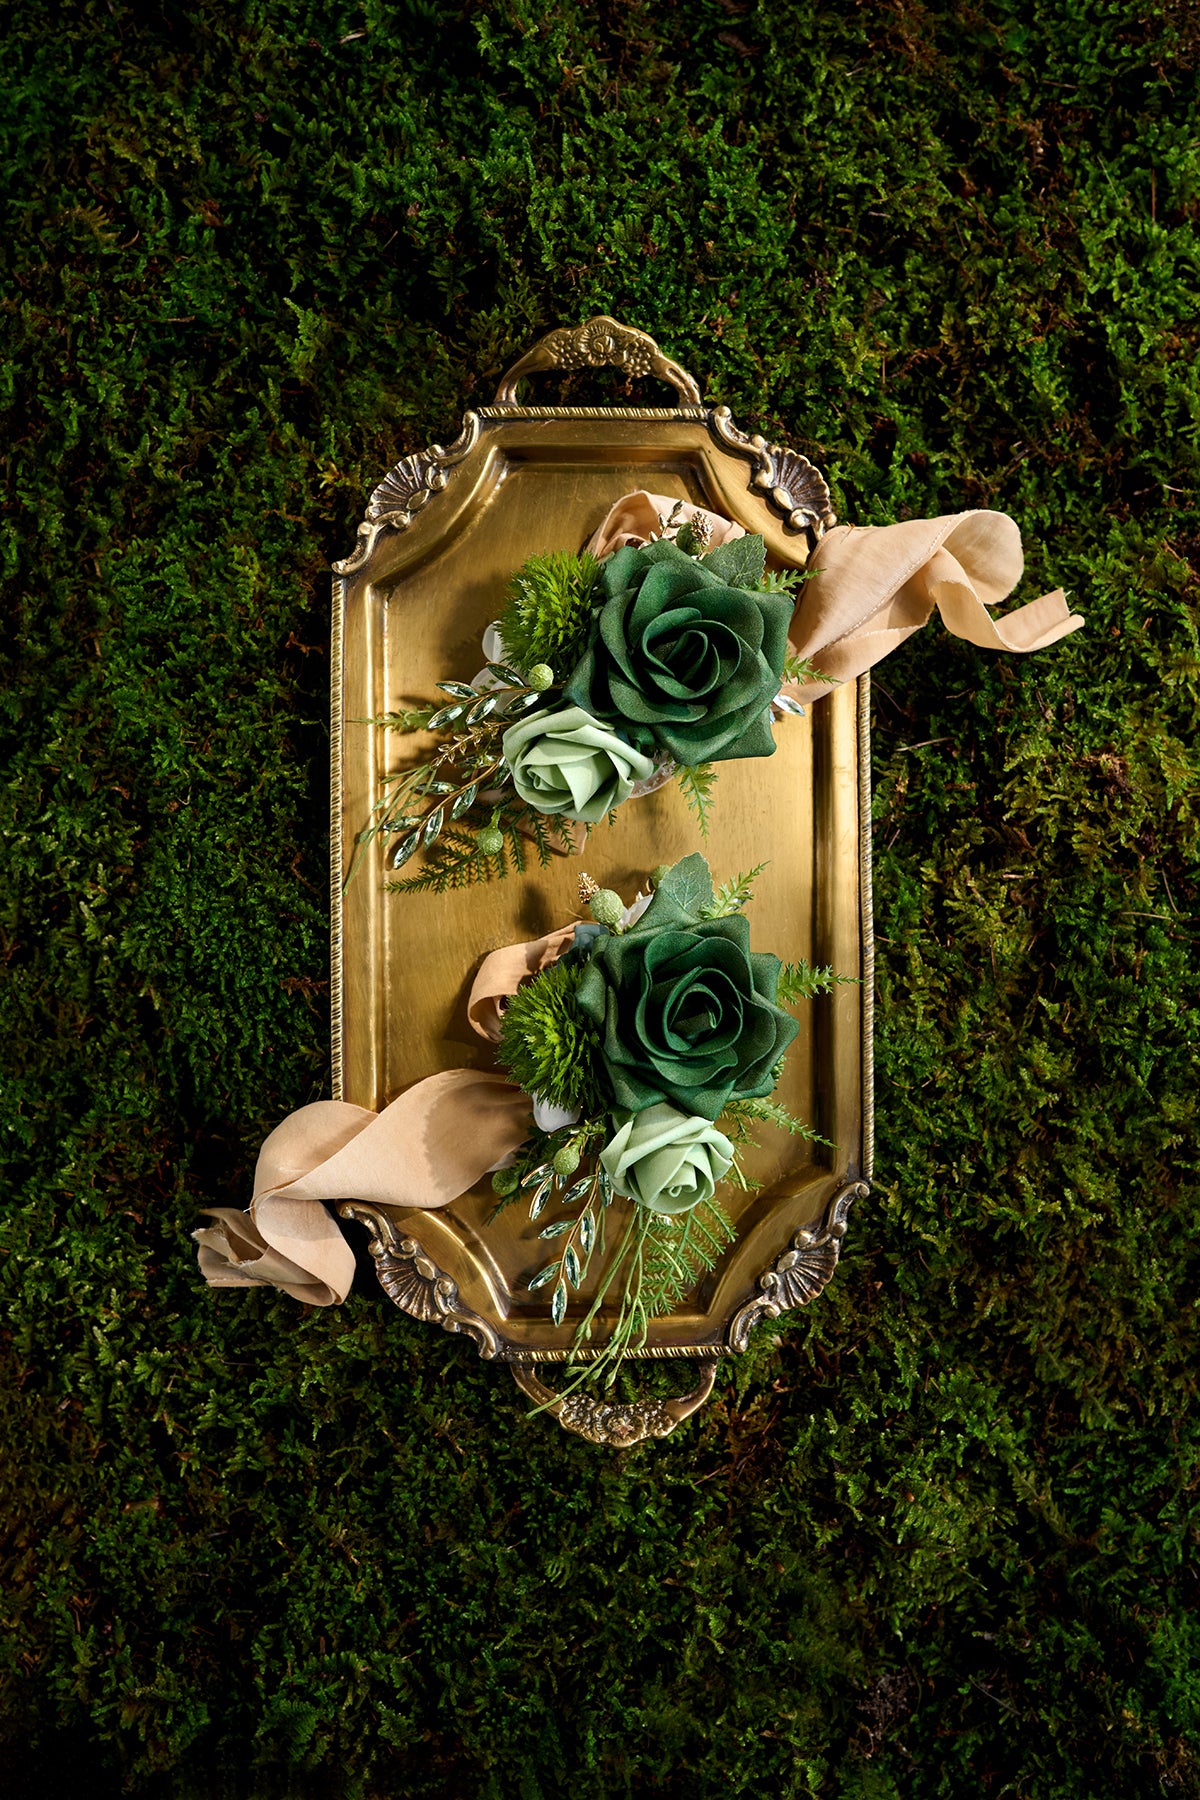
600 343
618 1423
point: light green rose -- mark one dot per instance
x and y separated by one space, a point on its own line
665 1160
568 763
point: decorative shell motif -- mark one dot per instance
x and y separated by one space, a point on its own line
803 1270
411 1281
790 482
413 481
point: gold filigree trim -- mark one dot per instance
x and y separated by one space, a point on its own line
598 343
867 921
630 414
336 909
620 1424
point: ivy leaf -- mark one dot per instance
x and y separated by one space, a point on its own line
739 563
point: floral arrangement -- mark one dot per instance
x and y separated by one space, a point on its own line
605 676
650 1047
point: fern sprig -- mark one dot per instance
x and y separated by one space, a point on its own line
697 781
740 1116
797 668
731 896
799 981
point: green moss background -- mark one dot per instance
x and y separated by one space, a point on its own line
935 1537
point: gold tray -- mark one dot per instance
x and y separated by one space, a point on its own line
444 532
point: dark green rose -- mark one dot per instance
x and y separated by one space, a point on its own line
683 662
687 1012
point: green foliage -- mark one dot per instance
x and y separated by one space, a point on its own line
935 1536
800 668
547 613
656 1265
782 581
740 1117
732 895
547 1045
740 562
697 784
799 981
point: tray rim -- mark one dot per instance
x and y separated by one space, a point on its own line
407 1273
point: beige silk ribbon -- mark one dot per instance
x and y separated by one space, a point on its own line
874 585
502 973
431 1144
638 517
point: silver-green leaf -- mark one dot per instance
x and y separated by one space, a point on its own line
537 1205
522 704
571 1266
558 1304
405 850
433 824
465 801
460 689
543 1276
447 716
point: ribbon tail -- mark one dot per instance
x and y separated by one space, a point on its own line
874 586
428 1147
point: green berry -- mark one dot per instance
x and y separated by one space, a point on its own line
660 875
567 1160
505 1181
540 677
607 907
490 840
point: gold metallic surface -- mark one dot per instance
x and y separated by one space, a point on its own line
597 344
619 1424
413 602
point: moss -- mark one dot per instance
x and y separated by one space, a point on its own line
934 1537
